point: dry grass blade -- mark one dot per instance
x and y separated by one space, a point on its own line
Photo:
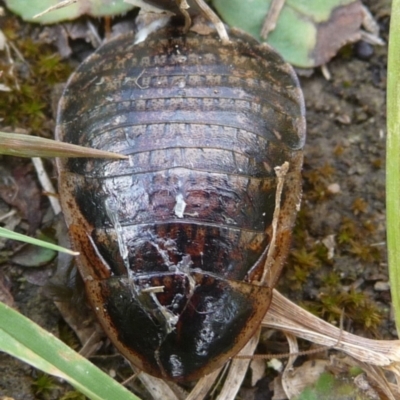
286 381
371 355
31 146
288 317
158 388
204 385
234 379
237 370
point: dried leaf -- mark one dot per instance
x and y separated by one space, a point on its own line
18 188
288 317
307 33
257 367
5 294
301 377
33 256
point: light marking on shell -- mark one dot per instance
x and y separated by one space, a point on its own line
180 205
112 207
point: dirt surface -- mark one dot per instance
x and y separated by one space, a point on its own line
344 190
339 257
344 176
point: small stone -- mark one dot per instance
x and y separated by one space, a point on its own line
334 188
275 364
330 244
344 119
381 286
363 50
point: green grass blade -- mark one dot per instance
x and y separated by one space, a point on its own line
393 159
25 340
6 233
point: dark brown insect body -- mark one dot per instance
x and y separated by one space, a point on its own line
174 242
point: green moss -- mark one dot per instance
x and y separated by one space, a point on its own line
300 229
356 305
27 105
308 265
348 230
297 277
310 257
317 181
359 206
67 335
364 252
325 383
303 261
355 371
43 385
73 395
347 84
332 279
305 258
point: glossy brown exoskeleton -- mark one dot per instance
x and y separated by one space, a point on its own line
174 241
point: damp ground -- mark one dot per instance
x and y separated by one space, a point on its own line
338 263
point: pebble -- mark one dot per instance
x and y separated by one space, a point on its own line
363 50
381 286
334 188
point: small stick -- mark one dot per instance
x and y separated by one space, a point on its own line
219 26
46 184
272 17
280 173
183 7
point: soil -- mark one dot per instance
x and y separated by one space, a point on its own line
338 261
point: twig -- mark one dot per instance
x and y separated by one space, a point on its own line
46 184
272 17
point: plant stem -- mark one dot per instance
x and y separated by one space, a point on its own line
393 159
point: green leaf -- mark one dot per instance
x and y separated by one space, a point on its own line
25 340
330 387
308 32
27 9
319 11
